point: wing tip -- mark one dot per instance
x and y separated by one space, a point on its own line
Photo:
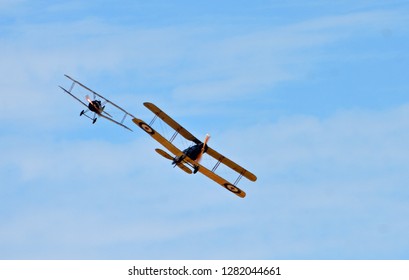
249 175
136 121
147 104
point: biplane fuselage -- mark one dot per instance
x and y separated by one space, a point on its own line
194 152
95 106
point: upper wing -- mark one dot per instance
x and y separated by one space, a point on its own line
174 150
83 103
171 122
182 131
100 96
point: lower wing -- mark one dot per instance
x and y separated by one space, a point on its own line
114 121
213 176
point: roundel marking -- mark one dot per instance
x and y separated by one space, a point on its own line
232 188
146 127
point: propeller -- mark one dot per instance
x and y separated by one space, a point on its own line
89 99
199 158
100 110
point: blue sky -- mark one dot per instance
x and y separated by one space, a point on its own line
311 97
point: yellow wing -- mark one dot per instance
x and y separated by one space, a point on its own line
171 122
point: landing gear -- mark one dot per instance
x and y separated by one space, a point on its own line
195 169
178 159
82 113
94 120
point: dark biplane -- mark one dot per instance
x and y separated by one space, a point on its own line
96 105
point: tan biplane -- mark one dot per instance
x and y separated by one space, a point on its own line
97 105
191 156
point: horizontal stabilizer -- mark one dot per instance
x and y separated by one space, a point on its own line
164 154
169 157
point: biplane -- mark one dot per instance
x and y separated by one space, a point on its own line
191 156
96 106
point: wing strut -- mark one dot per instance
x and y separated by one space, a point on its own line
123 119
216 166
238 179
174 136
72 86
153 120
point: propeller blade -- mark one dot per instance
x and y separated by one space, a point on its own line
199 158
88 99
